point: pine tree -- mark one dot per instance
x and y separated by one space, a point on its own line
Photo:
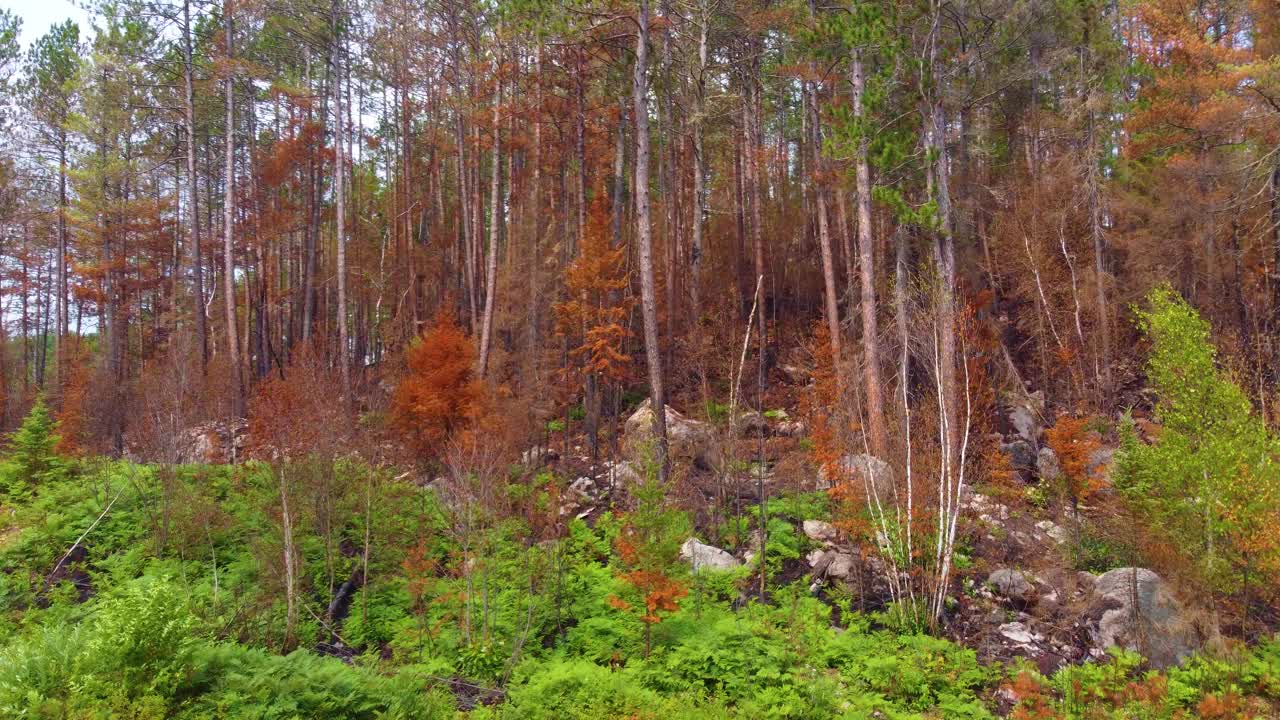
33 451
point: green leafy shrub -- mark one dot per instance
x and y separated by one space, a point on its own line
1209 481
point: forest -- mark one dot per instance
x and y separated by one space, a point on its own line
498 359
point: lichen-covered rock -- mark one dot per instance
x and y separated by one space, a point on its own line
832 564
1022 456
624 474
707 557
819 530
1025 422
1017 632
1134 608
863 471
791 429
1014 585
1055 531
686 438
1048 468
213 443
796 375
751 423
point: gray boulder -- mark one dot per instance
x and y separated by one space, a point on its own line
1100 463
796 375
1022 455
686 438
1014 585
861 469
819 530
832 564
1047 465
1134 608
751 423
1055 531
1025 422
624 474
791 429
707 557
1018 633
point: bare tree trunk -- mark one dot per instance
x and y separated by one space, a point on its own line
60 333
619 173
495 221
535 239
197 270
644 238
228 222
871 384
938 181
832 310
846 245
290 569
340 207
699 167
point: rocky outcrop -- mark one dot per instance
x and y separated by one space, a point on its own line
686 438
819 531
795 374
1134 608
1048 468
1015 586
791 429
860 470
751 423
707 557
217 442
1024 417
1022 456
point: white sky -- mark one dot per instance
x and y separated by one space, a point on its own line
39 15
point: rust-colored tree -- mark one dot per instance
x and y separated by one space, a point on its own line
1076 446
439 397
648 547
595 314
72 420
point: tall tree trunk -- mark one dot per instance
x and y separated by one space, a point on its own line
340 206
1275 232
619 173
871 384
188 116
699 168
753 191
495 222
228 223
535 237
832 310
290 560
644 238
60 333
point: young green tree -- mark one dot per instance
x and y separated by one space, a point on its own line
1201 482
33 457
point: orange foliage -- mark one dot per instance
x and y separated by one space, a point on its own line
73 431
1033 701
661 594
594 312
439 397
1227 705
1075 444
658 591
296 414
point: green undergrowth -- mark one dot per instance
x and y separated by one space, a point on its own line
173 606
